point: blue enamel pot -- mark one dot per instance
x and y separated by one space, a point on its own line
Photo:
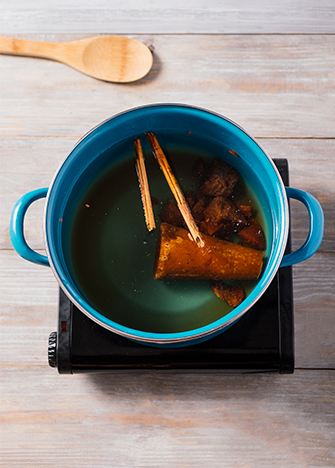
120 250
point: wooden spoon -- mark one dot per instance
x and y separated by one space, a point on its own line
109 58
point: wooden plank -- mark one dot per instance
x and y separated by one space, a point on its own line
164 420
30 163
314 298
274 86
196 16
29 299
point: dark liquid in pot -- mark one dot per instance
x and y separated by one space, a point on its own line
111 252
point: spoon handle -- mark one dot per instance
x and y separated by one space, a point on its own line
9 45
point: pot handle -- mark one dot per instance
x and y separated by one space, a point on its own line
316 222
16 227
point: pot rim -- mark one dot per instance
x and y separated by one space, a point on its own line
189 335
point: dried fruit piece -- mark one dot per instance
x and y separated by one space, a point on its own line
246 210
253 235
234 295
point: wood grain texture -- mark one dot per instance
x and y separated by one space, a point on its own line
273 86
29 299
269 66
28 163
164 420
314 298
196 16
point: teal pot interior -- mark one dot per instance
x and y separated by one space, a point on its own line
97 242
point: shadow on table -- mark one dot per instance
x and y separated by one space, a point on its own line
210 385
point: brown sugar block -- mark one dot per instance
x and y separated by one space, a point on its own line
253 235
223 215
221 231
233 294
171 214
220 179
179 257
191 198
198 210
203 227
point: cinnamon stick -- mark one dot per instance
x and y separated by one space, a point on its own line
144 186
176 190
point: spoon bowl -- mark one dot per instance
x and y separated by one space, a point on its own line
109 58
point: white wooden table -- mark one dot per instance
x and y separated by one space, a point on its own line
269 66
